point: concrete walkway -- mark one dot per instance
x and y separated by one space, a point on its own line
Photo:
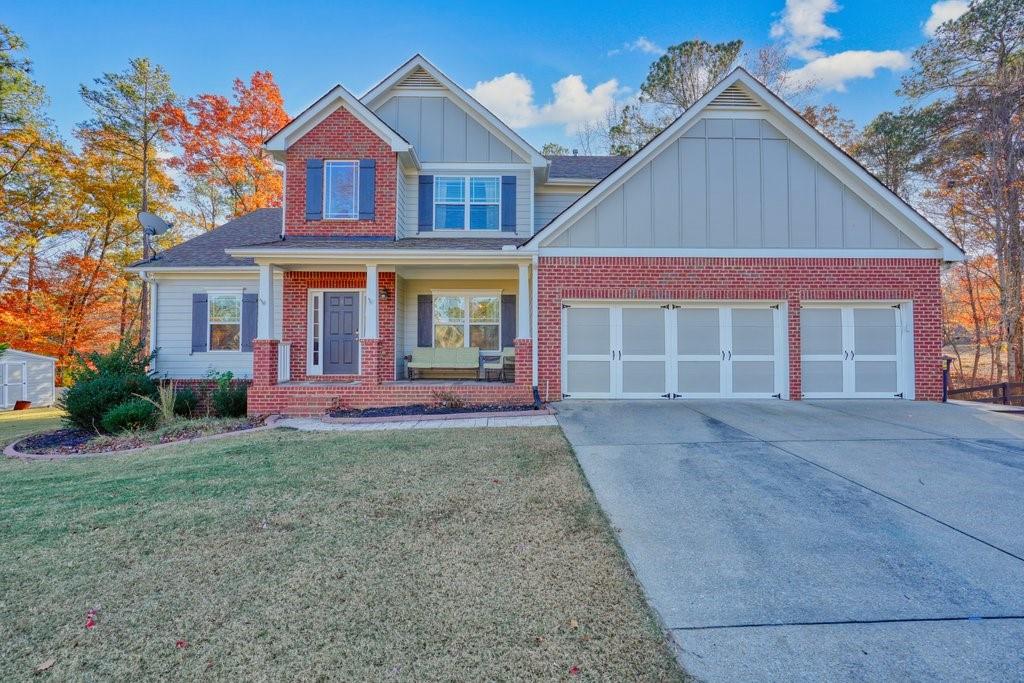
819 540
310 424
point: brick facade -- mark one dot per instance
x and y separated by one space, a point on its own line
341 136
744 279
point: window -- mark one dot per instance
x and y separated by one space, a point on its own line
224 316
341 189
452 211
467 320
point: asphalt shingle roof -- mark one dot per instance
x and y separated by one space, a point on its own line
458 243
586 167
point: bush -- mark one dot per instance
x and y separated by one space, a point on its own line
130 416
102 381
185 403
229 400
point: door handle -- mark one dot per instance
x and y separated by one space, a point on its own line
846 355
730 356
723 355
852 355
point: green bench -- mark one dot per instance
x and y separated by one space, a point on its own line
444 363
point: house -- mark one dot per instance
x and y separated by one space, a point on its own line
28 377
739 254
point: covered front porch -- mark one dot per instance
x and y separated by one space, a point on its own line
358 333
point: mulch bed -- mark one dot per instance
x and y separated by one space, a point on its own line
72 440
429 409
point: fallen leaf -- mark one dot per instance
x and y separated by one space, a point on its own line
181 644
573 623
45 665
574 671
90 622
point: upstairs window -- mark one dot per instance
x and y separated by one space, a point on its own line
341 190
462 203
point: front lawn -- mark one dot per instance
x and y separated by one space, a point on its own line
15 424
426 555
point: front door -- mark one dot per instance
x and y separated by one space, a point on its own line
341 333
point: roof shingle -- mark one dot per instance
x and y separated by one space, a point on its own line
584 167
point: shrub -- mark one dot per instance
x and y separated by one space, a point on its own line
185 402
130 416
448 400
229 400
88 400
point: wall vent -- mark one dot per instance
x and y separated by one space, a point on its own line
418 78
736 97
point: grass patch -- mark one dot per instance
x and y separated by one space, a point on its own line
427 555
15 424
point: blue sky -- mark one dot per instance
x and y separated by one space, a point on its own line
311 46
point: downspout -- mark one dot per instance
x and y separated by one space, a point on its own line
533 332
154 292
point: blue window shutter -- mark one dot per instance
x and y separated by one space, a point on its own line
426 204
367 187
508 203
198 322
424 320
314 189
508 320
250 312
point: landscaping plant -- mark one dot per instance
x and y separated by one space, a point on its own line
139 413
102 381
185 402
165 403
229 399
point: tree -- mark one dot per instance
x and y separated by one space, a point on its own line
894 146
553 149
826 118
21 98
124 106
221 145
770 65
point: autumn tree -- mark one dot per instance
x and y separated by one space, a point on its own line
830 123
220 142
896 146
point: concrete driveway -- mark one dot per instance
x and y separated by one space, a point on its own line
819 540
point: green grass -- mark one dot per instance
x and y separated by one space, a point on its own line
15 424
417 555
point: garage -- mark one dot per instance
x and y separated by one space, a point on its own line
673 350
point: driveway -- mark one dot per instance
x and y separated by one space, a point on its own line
819 540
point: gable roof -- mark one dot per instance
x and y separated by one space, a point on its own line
207 250
418 68
319 110
730 88
573 167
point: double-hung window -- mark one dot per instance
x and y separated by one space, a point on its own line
224 319
462 203
341 190
462 320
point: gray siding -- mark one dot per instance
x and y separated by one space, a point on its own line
441 131
733 183
401 211
174 329
524 187
547 205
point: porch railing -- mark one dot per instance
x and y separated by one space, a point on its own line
1006 393
284 362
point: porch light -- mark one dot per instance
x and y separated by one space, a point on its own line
384 294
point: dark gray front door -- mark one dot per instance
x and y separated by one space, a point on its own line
341 333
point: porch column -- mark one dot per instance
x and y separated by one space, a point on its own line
523 301
265 316
372 310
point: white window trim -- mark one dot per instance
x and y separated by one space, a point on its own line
318 369
467 203
467 294
210 295
355 190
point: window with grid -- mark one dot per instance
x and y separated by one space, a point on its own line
467 320
467 203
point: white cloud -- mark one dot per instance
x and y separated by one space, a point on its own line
511 99
833 71
641 44
802 26
943 11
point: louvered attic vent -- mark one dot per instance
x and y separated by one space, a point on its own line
735 97
418 78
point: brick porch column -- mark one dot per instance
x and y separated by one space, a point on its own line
524 362
369 371
264 362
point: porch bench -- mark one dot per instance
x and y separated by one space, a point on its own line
444 363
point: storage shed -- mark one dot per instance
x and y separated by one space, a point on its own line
26 377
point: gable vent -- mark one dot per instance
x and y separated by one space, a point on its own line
735 97
418 78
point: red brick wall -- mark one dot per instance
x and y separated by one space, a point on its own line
792 280
294 310
203 388
341 136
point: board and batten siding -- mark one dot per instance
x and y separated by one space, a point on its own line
175 359
441 131
524 188
547 205
401 192
733 183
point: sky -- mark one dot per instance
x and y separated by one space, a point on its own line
544 67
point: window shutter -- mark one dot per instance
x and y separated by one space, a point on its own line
367 185
250 313
426 204
198 322
314 189
424 321
508 320
508 203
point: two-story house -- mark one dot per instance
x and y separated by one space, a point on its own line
738 254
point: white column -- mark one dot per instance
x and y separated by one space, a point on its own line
523 303
371 302
265 316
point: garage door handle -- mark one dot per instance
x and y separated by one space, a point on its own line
723 355
846 355
852 355
730 356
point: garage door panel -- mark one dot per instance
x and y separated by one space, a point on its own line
589 377
821 331
753 331
876 377
700 377
588 331
643 377
698 332
643 331
822 376
753 377
875 331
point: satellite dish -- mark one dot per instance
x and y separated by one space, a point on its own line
153 224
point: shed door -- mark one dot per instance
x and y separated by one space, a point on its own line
14 377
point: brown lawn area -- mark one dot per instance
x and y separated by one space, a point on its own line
417 555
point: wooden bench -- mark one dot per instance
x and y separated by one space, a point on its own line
444 363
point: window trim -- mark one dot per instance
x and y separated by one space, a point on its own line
210 296
355 190
467 202
467 323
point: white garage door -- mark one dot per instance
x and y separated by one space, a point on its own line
650 350
852 351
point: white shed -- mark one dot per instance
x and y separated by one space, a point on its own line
26 377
